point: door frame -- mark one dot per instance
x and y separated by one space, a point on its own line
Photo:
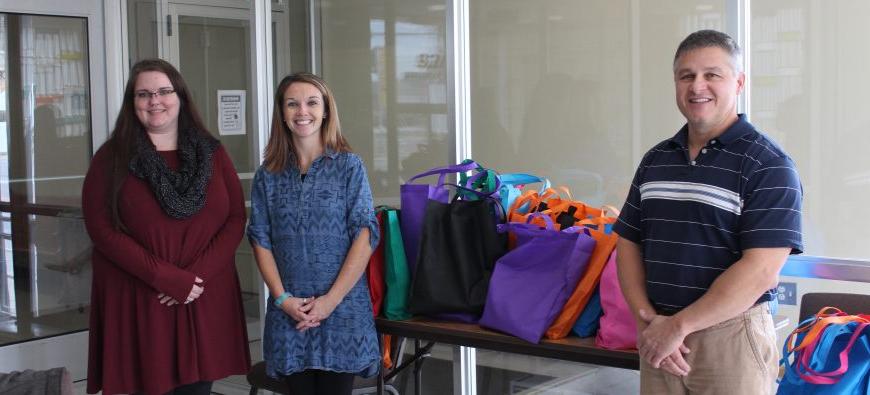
169 49
174 12
108 63
105 61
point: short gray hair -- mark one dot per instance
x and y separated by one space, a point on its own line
711 38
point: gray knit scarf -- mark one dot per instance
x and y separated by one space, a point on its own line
180 193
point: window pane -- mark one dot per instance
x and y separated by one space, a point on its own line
56 95
808 79
577 91
4 110
60 274
142 29
44 154
385 64
7 282
294 41
56 109
214 56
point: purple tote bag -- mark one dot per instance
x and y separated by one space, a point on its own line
532 283
414 198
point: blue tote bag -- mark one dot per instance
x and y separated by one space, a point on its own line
587 323
831 355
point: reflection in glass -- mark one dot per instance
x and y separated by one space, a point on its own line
142 27
45 147
808 83
290 37
386 64
57 125
7 281
62 261
4 111
214 55
574 90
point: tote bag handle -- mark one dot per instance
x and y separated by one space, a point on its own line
815 377
532 198
492 183
522 179
502 214
443 171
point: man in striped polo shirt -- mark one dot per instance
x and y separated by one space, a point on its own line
710 219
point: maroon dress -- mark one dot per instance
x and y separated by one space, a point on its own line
136 343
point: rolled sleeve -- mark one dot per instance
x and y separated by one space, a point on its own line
259 227
361 212
771 215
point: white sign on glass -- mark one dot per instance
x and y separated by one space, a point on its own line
231 112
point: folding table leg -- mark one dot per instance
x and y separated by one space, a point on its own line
418 370
464 370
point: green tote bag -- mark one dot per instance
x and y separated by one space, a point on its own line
398 277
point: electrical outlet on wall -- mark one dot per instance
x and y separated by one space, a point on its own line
787 293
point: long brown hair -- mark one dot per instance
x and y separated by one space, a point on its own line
122 141
280 151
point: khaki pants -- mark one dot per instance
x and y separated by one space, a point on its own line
737 356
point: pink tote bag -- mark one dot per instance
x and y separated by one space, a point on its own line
617 330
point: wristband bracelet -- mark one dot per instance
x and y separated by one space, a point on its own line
280 300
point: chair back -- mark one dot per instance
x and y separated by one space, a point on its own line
811 303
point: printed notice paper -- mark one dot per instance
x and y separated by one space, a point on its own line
231 112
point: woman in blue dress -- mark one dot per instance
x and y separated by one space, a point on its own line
313 229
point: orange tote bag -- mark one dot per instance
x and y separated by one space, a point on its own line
605 243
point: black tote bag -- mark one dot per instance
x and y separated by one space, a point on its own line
458 249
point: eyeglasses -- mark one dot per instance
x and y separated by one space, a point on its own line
145 95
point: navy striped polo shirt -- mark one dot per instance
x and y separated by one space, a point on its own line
693 219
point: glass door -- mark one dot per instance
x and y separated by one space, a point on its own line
210 44
211 48
45 148
53 113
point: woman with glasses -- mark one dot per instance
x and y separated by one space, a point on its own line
165 211
313 229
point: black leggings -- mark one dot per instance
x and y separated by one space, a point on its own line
320 382
197 388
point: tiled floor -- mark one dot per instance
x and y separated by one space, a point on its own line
233 385
502 373
498 373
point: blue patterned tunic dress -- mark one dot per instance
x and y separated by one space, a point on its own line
309 226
